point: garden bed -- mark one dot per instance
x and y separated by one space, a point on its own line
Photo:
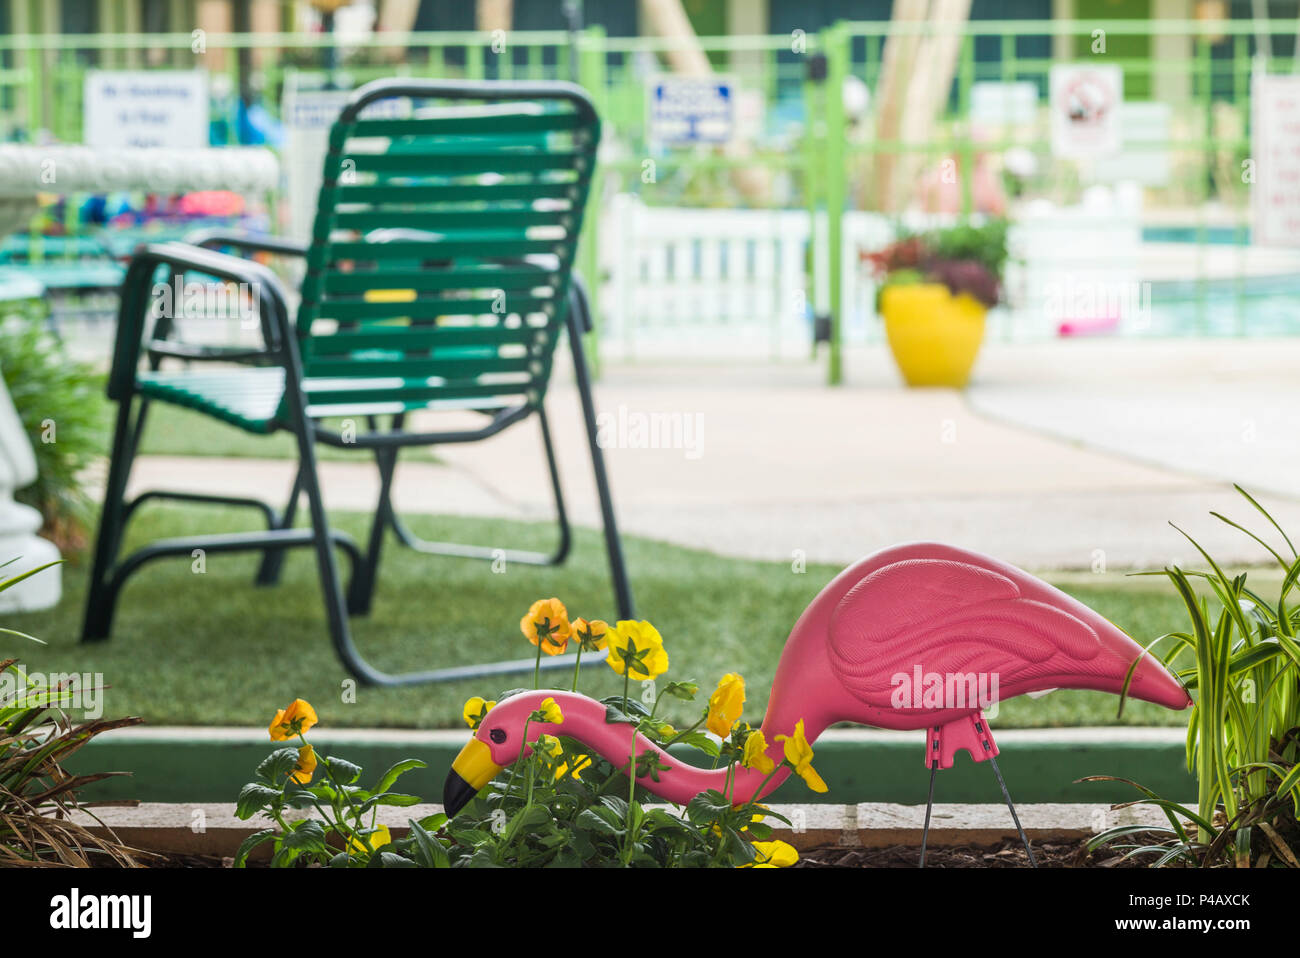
866 835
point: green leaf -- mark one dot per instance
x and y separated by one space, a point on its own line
591 820
429 851
253 798
401 768
252 841
343 770
276 766
708 807
701 741
308 835
391 798
682 690
433 822
390 860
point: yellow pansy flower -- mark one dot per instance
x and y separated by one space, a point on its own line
376 840
475 709
773 854
551 712
726 704
548 746
591 635
755 755
800 754
547 623
293 721
306 765
580 762
637 650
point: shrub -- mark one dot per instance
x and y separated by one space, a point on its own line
63 413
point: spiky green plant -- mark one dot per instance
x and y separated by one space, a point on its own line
1241 659
37 795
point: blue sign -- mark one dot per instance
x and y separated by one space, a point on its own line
692 109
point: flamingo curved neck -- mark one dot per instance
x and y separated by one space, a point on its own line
584 721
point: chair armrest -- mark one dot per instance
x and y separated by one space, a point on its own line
137 301
248 242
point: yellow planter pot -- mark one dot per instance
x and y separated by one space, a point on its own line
934 335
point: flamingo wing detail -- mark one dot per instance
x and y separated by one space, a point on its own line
955 618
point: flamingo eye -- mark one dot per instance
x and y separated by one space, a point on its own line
497 735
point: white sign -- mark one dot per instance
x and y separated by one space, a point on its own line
1145 131
146 108
308 115
691 109
1085 106
1275 153
997 103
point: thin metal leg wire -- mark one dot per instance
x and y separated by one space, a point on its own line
1014 817
929 805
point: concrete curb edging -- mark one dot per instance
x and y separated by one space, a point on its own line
206 828
207 765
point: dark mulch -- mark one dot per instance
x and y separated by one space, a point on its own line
1007 854
177 860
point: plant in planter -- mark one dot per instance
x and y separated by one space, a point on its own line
37 796
935 289
558 805
1243 737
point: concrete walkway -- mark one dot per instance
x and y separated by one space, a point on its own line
1063 455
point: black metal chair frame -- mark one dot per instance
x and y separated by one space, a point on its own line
110 572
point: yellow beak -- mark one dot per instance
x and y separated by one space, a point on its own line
472 769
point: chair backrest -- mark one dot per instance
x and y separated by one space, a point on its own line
443 246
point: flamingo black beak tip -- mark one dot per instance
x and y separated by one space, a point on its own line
456 793
470 772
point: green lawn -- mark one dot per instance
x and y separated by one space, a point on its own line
211 649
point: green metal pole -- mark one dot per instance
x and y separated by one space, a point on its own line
964 81
591 75
837 68
1202 169
813 142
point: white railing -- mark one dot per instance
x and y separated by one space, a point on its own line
702 282
717 283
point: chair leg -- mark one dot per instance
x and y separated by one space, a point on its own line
99 596
525 557
613 543
268 572
362 592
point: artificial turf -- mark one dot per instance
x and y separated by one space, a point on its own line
209 648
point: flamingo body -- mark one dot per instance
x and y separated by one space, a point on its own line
898 618
936 610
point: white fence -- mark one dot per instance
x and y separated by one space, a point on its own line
714 284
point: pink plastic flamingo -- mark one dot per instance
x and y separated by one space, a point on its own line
919 636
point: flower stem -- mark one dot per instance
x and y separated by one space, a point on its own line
577 664
631 797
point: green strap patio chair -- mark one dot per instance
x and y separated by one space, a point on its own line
439 277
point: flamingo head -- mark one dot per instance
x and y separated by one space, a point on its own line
497 743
